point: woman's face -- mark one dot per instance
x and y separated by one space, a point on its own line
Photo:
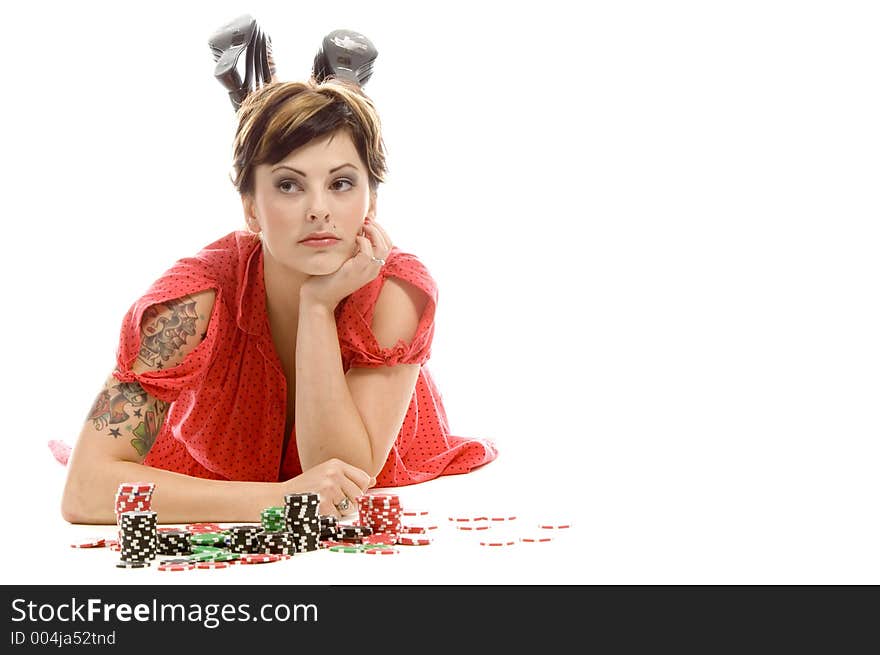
321 187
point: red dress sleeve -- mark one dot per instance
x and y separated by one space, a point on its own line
357 342
424 449
187 276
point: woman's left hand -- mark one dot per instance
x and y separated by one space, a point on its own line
360 269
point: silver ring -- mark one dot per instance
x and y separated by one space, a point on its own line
343 505
381 262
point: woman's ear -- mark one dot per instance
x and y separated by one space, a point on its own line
371 211
250 214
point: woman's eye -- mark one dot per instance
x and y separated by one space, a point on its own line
285 185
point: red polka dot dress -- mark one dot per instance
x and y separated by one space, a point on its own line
228 397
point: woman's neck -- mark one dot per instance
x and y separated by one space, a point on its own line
282 293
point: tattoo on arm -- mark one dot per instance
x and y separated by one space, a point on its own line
112 407
165 328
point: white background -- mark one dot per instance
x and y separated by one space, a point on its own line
653 227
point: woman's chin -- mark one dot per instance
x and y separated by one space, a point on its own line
325 267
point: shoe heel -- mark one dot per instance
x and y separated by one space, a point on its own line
227 44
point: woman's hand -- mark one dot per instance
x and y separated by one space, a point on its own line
333 481
360 269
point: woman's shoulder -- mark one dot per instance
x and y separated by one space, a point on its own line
221 263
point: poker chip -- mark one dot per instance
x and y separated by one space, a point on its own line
259 558
468 519
176 565
203 527
132 564
413 540
478 526
535 540
413 529
502 542
380 538
216 564
381 551
414 512
93 543
346 549
554 526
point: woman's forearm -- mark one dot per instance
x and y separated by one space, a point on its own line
89 496
328 423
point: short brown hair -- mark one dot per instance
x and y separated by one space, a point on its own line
280 117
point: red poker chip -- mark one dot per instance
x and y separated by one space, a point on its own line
380 538
410 540
535 540
259 558
216 564
331 542
94 543
177 567
468 519
381 551
415 512
502 518
497 543
413 529
472 527
554 526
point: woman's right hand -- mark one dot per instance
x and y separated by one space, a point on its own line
333 481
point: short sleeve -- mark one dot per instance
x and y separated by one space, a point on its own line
358 343
187 276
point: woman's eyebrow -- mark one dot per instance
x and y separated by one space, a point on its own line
332 170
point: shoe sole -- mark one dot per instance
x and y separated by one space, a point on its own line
346 55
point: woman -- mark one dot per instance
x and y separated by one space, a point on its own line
284 358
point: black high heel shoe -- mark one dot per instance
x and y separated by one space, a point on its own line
347 55
227 45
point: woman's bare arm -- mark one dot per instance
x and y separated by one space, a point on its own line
124 422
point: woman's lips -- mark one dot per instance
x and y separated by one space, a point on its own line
320 243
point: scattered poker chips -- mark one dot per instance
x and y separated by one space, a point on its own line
383 527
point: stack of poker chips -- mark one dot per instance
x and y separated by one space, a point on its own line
353 534
245 538
278 543
137 540
329 528
272 519
133 497
381 512
173 542
301 518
